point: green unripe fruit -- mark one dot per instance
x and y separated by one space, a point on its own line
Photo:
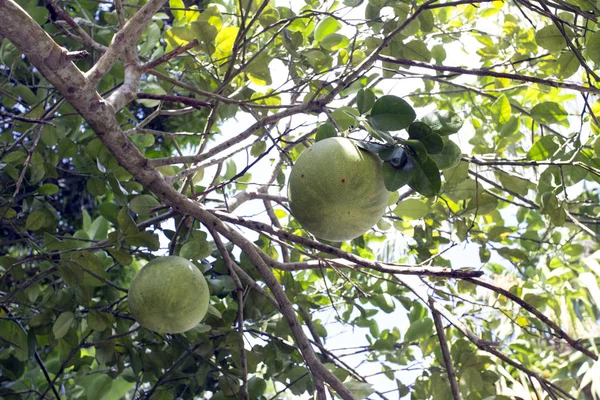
336 190
169 295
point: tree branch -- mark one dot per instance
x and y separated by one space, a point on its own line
439 327
127 36
485 72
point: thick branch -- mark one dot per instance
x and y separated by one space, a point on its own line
126 37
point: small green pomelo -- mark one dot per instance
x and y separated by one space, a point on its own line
336 190
169 295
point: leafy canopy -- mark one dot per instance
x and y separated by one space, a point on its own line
139 128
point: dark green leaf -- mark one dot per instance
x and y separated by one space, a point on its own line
391 113
423 133
365 98
99 387
449 157
394 178
593 48
35 220
426 179
143 204
48 189
443 122
325 131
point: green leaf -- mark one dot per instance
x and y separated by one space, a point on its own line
195 249
482 204
178 14
11 331
394 178
426 179
417 148
144 239
143 204
258 148
99 387
325 131
97 320
334 41
501 110
593 48
224 42
63 324
423 133
110 211
549 113
96 186
67 148
544 148
427 21
326 27
419 329
365 98
385 302
449 157
443 122
391 113
411 209
513 183
416 50
438 53
35 220
345 117
361 390
126 224
121 256
39 14
550 37
258 71
568 64
256 387
48 189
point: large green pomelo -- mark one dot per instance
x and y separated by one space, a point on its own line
336 190
169 295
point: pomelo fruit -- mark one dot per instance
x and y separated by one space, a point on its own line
336 190
168 295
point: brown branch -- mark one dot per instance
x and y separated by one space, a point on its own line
239 289
439 327
576 344
485 72
346 260
65 363
166 57
28 160
85 38
188 101
25 119
271 119
124 38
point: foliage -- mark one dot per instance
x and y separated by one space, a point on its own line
481 281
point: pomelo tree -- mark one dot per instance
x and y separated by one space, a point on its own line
132 130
